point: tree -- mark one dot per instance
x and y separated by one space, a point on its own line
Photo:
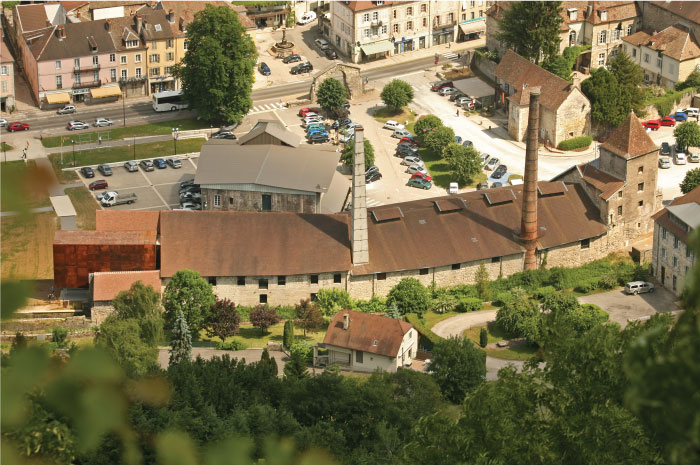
393 311
439 138
181 342
142 304
458 366
517 316
122 340
483 337
687 134
630 77
267 364
691 180
308 316
188 292
693 80
561 65
610 103
453 150
444 303
348 154
397 94
217 69
410 296
332 300
425 124
295 368
483 281
59 336
263 317
288 334
332 94
465 165
223 320
532 29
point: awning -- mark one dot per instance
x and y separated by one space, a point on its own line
377 47
62 97
102 92
471 28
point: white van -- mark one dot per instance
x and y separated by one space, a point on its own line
692 111
638 287
307 17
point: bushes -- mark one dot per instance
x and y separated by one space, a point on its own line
589 285
502 298
374 305
234 344
331 301
516 317
598 314
541 293
463 290
576 143
483 337
410 295
428 338
469 304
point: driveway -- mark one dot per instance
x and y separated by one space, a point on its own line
250 355
623 308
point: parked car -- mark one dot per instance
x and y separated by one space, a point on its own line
87 172
223 134
491 164
370 178
652 124
102 122
3 122
99 184
372 169
77 125
667 121
174 163
409 139
187 183
679 116
318 138
499 172
453 188
191 195
400 133
484 158
293 58
638 287
339 123
160 163
302 68
317 126
482 185
101 195
457 95
665 148
416 168
307 18
407 145
321 43
66 110
330 54
391 124
423 176
694 157
467 143
306 110
463 101
131 166
190 205
458 139
679 158
317 131
692 111
496 184
106 170
264 69
664 162
411 160
190 188
420 183
436 86
147 165
447 91
17 126
405 152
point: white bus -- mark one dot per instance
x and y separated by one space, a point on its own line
169 100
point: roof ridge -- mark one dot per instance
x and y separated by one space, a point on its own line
38 56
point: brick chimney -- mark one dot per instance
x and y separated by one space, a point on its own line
139 24
346 321
61 32
528 227
359 242
171 16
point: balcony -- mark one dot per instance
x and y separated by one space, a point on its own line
81 69
376 22
86 84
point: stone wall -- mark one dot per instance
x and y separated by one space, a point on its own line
658 18
573 254
100 311
486 66
573 118
234 200
30 325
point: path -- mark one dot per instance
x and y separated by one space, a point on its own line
456 325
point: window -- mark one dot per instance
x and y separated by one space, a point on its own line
385 29
496 260
640 170
473 16
266 202
95 60
365 17
409 25
337 278
437 20
585 243
676 243
169 43
663 252
132 43
167 69
619 210
602 37
230 200
464 16
212 280
375 16
619 195
675 262
113 75
604 15
425 22
573 14
59 82
155 72
472 3
685 270
263 298
664 233
423 8
313 296
688 253
281 280
409 11
76 63
313 279
337 41
640 203
640 187
675 282
634 53
601 59
58 64
154 45
481 13
616 33
659 63
123 74
646 58
217 200
381 276
450 18
122 59
138 72
393 13
396 28
359 356
366 33
572 38
137 58
423 271
240 281
95 76
262 283
3 86
456 266
185 45
628 32
155 58
171 56
76 78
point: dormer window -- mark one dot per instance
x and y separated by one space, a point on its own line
573 14
604 15
375 343
158 27
380 3
132 43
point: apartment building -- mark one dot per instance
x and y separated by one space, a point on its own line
131 56
7 75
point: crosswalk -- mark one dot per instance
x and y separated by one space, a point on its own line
266 107
451 56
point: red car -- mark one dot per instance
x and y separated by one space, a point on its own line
653 124
409 140
18 127
99 184
668 121
424 177
306 110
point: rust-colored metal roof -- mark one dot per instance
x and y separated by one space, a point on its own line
662 216
600 180
106 285
253 243
127 220
630 139
366 332
104 237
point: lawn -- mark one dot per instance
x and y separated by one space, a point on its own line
253 338
117 154
21 182
85 206
116 133
385 114
495 334
27 246
4 146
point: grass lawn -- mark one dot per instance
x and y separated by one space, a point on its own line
85 206
27 246
495 334
253 338
116 133
385 114
4 146
22 182
117 154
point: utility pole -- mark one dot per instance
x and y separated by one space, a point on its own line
124 107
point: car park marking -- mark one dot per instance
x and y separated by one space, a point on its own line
266 107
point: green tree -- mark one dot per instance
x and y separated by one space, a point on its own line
453 150
392 311
483 337
439 138
188 292
465 165
483 282
693 80
332 94
426 124
267 364
332 300
59 336
142 304
223 320
123 342
687 134
308 316
630 77
348 154
444 303
532 29
691 180
181 342
397 94
410 296
458 366
561 65
288 334
610 103
217 69
517 316
295 368
263 317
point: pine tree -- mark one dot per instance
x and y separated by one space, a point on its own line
181 343
288 335
268 364
295 368
392 311
483 337
482 282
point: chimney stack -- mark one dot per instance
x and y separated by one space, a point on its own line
346 321
528 227
139 24
359 242
61 32
108 24
171 16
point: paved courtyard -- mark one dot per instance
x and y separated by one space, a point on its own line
623 308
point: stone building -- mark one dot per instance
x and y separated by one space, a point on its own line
658 15
565 112
622 181
7 75
105 286
672 257
667 57
270 132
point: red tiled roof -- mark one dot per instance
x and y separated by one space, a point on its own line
602 181
684 10
630 139
70 6
364 330
361 6
677 42
185 11
106 285
125 220
617 11
638 38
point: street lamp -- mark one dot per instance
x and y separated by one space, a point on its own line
124 107
134 144
175 131
73 142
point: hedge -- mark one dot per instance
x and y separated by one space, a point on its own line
234 344
429 338
587 286
576 143
469 304
601 315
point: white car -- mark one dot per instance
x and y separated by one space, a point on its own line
76 125
101 122
417 169
131 166
679 158
394 125
400 133
447 91
462 101
491 164
312 114
102 194
307 17
454 188
664 163
694 157
189 205
3 122
484 158
411 160
322 44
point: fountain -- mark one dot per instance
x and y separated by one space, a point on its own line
283 48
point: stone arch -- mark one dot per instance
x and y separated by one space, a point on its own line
354 83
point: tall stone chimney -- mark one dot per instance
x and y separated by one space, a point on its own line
171 16
528 226
139 24
346 321
359 243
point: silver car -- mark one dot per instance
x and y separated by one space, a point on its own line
102 122
416 168
491 164
76 125
131 166
411 160
174 163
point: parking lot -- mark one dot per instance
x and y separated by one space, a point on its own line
623 308
155 190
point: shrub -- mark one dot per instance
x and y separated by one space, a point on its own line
463 290
304 350
410 295
244 312
586 286
374 305
483 337
428 338
233 344
576 143
444 303
286 312
502 298
59 337
331 301
516 316
608 280
288 334
598 314
469 304
541 293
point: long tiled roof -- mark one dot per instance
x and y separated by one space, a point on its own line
630 139
77 41
127 220
361 6
374 334
30 17
684 10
